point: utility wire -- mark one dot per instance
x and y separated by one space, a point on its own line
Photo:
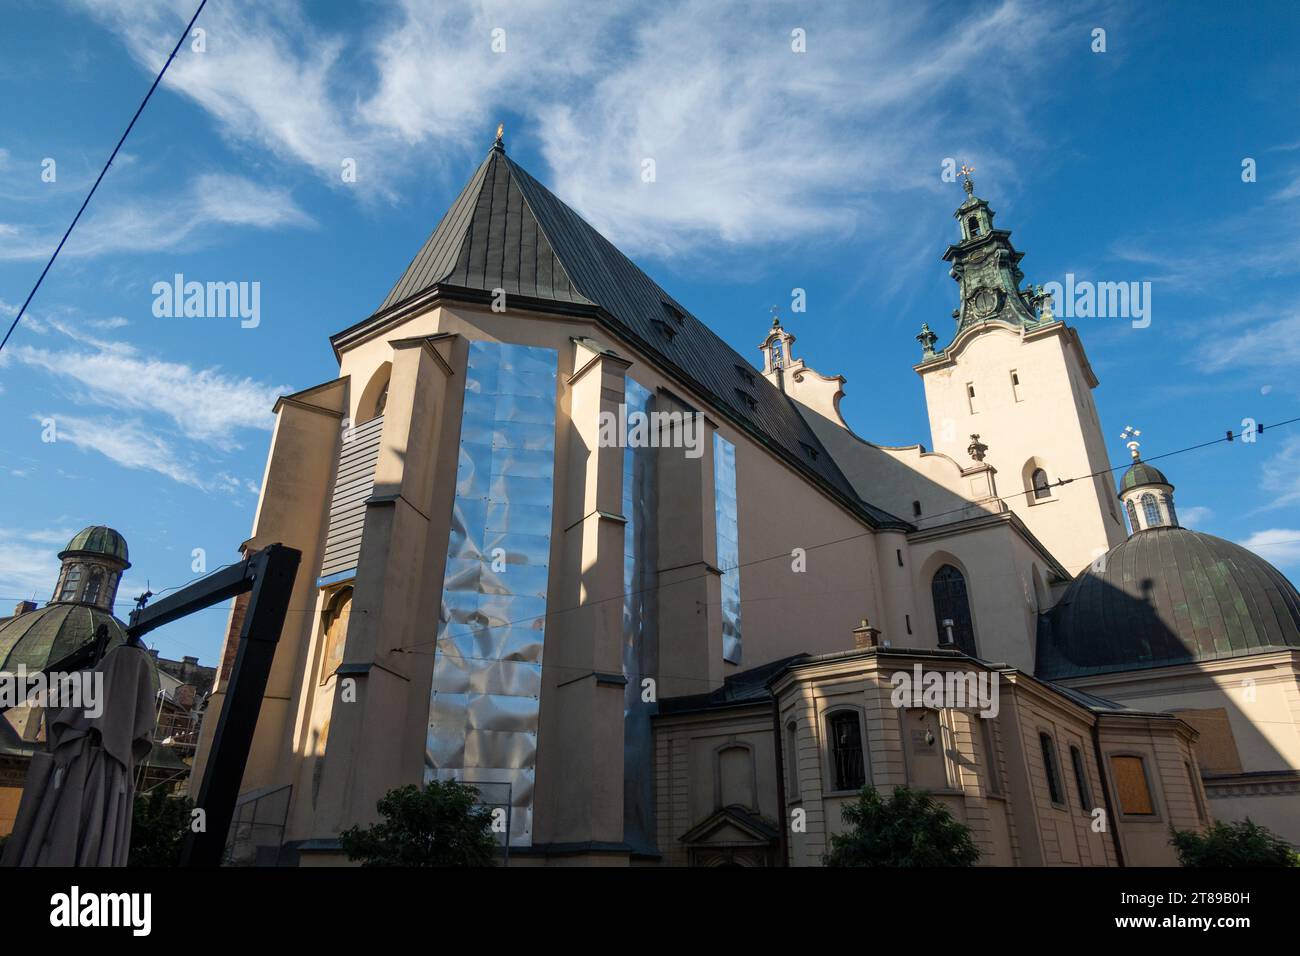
102 173
784 555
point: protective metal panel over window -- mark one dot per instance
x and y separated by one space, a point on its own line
487 676
353 483
640 634
724 505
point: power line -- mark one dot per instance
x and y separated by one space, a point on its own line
784 555
102 173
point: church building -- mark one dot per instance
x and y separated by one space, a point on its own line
693 644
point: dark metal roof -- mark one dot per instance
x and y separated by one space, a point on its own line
507 231
1140 473
98 539
40 638
745 687
1168 596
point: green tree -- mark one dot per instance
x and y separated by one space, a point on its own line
438 825
908 829
1243 843
158 827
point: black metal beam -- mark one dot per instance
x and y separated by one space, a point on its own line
268 574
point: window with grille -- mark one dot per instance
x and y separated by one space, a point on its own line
1041 487
952 609
1151 511
848 768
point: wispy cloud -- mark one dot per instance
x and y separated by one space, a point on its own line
168 222
1194 516
695 87
1278 545
205 404
29 562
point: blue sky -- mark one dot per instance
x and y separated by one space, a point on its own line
774 170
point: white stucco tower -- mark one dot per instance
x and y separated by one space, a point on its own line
1017 377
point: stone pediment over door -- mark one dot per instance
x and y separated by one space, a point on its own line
732 836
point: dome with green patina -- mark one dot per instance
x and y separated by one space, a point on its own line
40 638
1140 473
98 539
1164 597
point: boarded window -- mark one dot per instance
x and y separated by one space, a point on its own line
1131 785
736 778
1216 748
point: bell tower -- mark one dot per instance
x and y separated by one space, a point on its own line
1018 376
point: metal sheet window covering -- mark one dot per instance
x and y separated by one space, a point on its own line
640 634
354 480
491 630
724 505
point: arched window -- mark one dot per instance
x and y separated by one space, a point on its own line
1151 511
94 584
1051 769
952 609
1169 508
70 582
1132 515
973 226
337 615
848 767
1039 481
778 354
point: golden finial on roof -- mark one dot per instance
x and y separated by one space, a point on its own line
501 131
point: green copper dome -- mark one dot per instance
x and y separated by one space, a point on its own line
98 539
1168 596
1140 473
40 638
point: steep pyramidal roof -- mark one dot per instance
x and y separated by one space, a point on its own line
507 231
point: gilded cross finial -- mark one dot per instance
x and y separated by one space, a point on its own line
776 318
501 132
1129 437
967 184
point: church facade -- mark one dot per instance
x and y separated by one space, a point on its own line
664 606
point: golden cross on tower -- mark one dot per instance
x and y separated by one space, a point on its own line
967 184
967 170
501 131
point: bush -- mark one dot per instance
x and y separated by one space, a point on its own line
439 825
1244 843
158 827
908 829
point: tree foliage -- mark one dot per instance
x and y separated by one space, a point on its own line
158 826
1243 843
440 824
908 829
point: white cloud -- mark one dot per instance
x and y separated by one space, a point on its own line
1194 516
1276 545
1280 474
205 404
29 563
752 142
131 444
169 222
